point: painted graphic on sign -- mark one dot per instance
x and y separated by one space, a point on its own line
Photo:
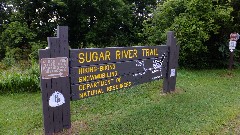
156 66
56 99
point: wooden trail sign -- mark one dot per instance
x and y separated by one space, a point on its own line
73 74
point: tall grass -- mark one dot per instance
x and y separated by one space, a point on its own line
20 79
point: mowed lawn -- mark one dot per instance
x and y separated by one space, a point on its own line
205 102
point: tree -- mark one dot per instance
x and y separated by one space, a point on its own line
97 22
106 23
196 23
28 23
17 36
41 16
141 11
235 14
5 13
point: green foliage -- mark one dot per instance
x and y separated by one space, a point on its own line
98 22
35 46
15 41
106 23
17 80
163 17
17 35
235 14
91 23
41 16
8 62
12 55
2 49
197 25
202 27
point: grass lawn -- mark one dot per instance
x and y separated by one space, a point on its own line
205 102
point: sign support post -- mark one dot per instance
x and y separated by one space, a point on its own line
232 46
231 61
55 85
169 81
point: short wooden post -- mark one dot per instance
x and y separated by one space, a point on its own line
56 115
169 82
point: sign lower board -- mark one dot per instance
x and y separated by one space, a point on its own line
92 56
54 67
97 87
110 70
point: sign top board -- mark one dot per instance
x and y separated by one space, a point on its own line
54 67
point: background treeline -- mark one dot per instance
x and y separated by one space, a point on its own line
202 26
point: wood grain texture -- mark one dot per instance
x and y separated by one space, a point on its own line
169 82
56 118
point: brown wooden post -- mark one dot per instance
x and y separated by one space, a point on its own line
231 61
169 82
55 85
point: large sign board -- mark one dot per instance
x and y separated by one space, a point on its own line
74 74
100 70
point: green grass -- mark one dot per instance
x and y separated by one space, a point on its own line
20 114
205 102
